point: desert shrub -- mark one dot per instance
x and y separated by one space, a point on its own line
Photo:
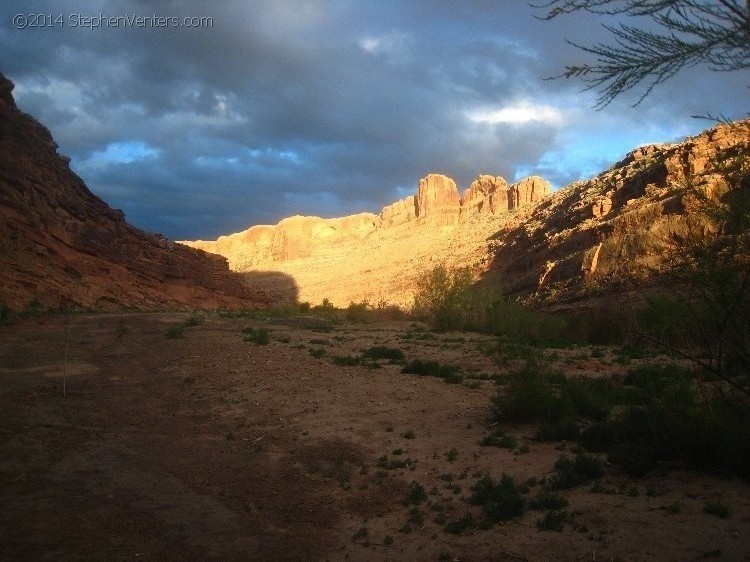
562 430
598 325
394 355
258 337
317 352
442 295
517 324
359 313
384 312
554 521
416 495
449 373
325 308
530 396
666 418
571 473
193 320
461 525
547 499
717 508
347 360
592 398
501 501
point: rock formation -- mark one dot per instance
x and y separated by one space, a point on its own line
519 235
60 245
437 198
436 205
612 229
399 212
486 194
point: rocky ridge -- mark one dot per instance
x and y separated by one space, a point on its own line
582 237
613 228
436 205
62 246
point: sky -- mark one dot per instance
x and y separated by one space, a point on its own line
251 111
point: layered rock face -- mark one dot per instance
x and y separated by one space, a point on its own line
60 245
435 205
437 198
613 229
519 236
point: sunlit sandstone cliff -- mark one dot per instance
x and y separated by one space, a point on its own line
378 257
519 236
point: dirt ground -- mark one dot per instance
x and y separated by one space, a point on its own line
208 447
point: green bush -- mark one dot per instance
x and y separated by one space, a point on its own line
501 501
531 397
554 521
258 337
416 495
547 499
571 473
462 525
562 430
449 373
443 295
394 355
717 508
359 313
665 418
193 320
347 360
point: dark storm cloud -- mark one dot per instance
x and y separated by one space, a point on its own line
318 107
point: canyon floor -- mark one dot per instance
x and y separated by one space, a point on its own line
205 447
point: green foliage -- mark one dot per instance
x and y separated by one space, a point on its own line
547 499
359 313
565 429
706 317
717 508
554 521
416 495
519 325
193 320
347 360
571 473
665 418
462 525
394 355
501 501
394 464
317 352
443 294
531 397
497 438
258 337
449 373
